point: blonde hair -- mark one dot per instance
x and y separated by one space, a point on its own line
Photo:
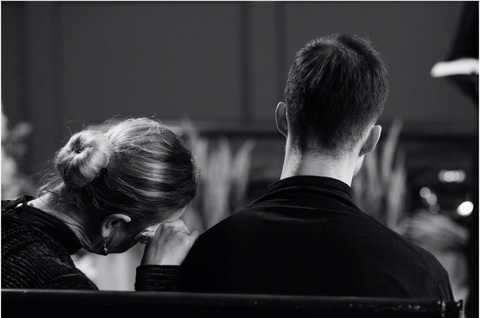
137 167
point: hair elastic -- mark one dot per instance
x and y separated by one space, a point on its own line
103 172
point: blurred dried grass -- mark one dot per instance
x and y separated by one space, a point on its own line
14 147
223 181
380 186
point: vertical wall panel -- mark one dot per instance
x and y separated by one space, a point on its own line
14 101
264 53
44 110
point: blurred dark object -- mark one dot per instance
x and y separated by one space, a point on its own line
466 40
468 84
471 304
460 67
466 46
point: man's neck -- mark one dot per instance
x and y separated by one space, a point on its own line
314 164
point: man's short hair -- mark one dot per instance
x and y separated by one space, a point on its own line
336 87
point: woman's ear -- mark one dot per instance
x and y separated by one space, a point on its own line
114 221
281 118
371 140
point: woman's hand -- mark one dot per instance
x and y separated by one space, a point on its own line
170 245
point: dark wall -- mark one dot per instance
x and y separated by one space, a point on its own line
65 64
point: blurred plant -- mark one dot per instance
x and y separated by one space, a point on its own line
223 179
380 186
435 231
446 240
14 148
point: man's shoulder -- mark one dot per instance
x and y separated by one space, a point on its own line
429 260
407 250
229 224
219 238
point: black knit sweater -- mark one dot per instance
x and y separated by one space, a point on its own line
36 249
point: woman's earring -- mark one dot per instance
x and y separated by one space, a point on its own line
105 249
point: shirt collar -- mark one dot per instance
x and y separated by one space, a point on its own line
311 181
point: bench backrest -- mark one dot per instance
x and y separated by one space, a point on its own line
89 304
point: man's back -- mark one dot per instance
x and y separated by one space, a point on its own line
306 237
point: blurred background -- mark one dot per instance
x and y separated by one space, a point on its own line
214 72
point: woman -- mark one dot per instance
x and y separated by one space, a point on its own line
109 191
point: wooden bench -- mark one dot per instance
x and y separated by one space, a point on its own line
104 304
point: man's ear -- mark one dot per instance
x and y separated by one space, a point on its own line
114 221
371 140
281 118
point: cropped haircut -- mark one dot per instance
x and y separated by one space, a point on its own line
336 87
137 167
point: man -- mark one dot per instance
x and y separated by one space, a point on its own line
305 236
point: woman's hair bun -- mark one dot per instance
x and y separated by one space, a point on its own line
82 158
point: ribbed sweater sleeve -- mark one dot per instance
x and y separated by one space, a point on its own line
157 278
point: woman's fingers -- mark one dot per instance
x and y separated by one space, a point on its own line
194 235
170 245
176 225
